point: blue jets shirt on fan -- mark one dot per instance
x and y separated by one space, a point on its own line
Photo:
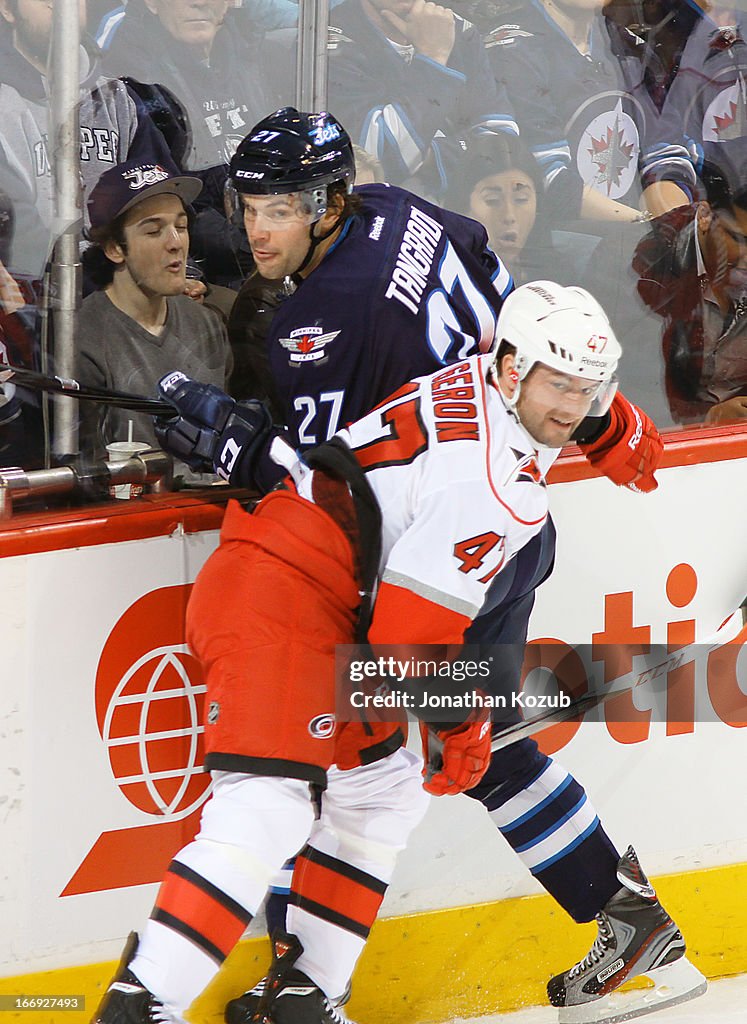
587 117
406 288
708 96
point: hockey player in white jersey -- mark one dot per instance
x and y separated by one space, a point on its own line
445 483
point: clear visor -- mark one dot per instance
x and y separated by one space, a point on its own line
602 400
276 212
598 393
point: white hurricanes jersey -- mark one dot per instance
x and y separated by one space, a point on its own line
460 483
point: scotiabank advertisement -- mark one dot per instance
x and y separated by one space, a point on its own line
103 716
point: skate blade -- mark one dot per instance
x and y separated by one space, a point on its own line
676 983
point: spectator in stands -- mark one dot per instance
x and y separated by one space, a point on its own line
219 78
692 271
267 15
113 127
659 30
140 325
708 95
500 185
411 81
21 422
579 103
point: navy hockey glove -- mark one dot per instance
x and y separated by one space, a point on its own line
212 432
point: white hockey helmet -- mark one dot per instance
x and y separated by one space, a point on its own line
565 329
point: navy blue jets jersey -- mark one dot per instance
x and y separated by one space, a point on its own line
708 97
406 288
588 119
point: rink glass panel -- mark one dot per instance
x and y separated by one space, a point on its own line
675 293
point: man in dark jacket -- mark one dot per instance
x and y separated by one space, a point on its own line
217 76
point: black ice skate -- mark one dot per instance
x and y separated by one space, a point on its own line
127 1001
636 936
285 995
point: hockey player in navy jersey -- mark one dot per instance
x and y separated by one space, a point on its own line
386 286
284 587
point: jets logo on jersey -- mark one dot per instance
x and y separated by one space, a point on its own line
527 469
307 345
726 116
504 35
607 155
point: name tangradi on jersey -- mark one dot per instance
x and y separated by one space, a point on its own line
307 345
454 406
414 259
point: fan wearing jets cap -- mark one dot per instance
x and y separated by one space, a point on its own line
140 324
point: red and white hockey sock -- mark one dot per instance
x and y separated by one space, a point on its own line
213 887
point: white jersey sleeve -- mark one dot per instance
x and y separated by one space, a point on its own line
460 484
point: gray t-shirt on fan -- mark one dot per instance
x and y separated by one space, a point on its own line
116 352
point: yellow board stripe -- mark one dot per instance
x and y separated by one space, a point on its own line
466 961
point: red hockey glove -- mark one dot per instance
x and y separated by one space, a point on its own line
456 760
629 450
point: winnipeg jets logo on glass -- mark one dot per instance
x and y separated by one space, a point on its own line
307 345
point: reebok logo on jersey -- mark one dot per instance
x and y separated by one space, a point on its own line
307 345
375 232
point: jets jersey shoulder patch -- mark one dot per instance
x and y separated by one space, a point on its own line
505 35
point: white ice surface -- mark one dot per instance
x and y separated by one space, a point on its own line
725 1002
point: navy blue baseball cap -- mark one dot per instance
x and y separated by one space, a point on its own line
129 183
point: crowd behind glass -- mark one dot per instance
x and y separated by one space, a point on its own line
599 145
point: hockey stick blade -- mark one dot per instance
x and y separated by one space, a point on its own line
624 684
71 388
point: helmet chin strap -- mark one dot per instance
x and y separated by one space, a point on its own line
314 241
511 403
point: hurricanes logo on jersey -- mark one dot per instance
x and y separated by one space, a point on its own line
527 469
307 345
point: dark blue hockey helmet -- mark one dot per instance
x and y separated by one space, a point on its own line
291 151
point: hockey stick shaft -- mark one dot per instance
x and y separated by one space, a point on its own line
71 388
624 684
